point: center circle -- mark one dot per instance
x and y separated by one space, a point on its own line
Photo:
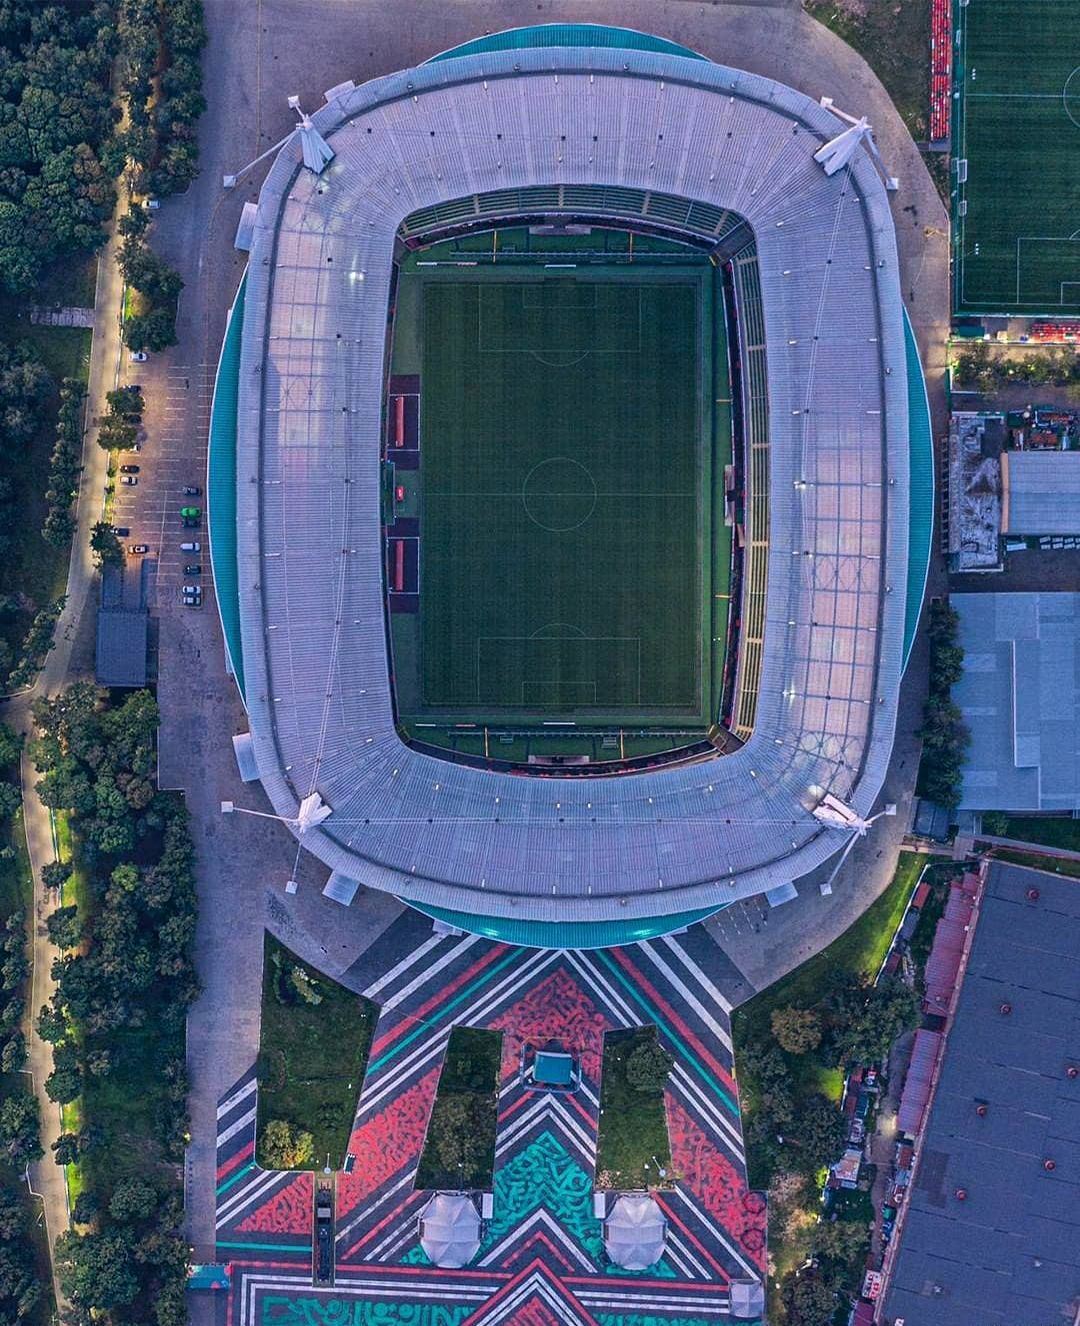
559 494
1070 96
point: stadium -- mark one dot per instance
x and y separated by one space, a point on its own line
570 486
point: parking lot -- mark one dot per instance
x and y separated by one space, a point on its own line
173 456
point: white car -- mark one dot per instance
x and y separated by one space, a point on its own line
191 547
130 479
138 356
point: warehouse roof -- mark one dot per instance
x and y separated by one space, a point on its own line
308 428
1008 1253
1018 695
1040 492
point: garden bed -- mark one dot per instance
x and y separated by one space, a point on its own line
459 1149
633 1143
313 1048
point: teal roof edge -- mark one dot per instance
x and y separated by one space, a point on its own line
566 934
221 487
921 488
567 34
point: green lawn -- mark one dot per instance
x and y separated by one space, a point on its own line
1017 125
1050 832
893 37
459 1149
861 948
311 1056
1037 862
633 1126
562 481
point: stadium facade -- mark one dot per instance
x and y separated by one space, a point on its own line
554 124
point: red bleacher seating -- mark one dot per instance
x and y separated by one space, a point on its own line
940 69
1067 329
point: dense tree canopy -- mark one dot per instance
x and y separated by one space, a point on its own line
57 122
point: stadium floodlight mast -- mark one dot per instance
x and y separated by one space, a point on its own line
310 813
316 151
836 814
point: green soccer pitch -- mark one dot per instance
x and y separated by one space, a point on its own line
1017 126
567 500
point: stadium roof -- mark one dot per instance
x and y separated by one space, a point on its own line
1040 492
1018 695
1009 1253
312 645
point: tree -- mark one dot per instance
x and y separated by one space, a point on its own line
66 1149
649 1065
52 1024
841 1245
55 874
12 1216
11 744
995 823
133 1199
13 1055
820 1130
64 1083
151 331
96 1269
890 1008
64 926
797 1030
86 1208
283 1146
10 799
807 1300
19 1142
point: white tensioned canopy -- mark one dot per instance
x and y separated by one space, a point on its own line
450 1230
635 1231
308 443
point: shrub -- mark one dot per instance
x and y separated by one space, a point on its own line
283 1146
648 1066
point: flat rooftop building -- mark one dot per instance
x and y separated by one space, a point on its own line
1018 695
1040 492
991 1236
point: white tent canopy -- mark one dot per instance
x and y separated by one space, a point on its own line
450 1229
634 1233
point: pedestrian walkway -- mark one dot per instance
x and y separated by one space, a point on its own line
544 1237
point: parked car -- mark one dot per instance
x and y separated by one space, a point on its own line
193 511
132 386
129 479
193 589
191 547
139 548
192 492
121 531
138 356
194 570
152 204
129 469
858 1132
191 601
135 446
192 522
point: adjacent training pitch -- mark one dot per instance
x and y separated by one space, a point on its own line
1018 128
562 476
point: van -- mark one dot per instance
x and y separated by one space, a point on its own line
191 547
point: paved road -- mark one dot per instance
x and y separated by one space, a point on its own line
258 53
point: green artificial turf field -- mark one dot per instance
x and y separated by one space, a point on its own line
1017 127
565 457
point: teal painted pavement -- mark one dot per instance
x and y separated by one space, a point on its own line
278 1310
567 34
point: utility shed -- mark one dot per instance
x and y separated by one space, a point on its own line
120 656
1040 492
1019 697
991 1236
